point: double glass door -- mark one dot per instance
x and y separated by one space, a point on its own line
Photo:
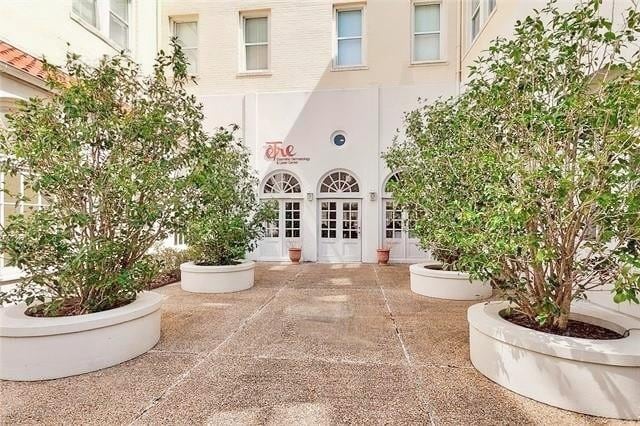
398 235
340 226
283 232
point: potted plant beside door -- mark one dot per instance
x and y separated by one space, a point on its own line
224 217
295 252
383 255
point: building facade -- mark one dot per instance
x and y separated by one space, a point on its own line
318 87
33 29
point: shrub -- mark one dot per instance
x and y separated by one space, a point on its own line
106 151
169 261
227 217
550 161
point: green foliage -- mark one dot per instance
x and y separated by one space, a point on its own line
227 217
106 151
540 157
169 261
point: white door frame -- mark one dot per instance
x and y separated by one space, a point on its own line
339 240
282 241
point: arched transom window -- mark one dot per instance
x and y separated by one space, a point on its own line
393 179
282 183
339 182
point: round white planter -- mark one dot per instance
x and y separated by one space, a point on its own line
597 377
35 348
450 285
217 279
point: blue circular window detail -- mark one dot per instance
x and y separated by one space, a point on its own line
339 139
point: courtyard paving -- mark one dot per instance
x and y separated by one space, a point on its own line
309 344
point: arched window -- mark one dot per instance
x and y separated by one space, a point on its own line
339 182
282 183
393 179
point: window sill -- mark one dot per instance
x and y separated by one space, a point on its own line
350 68
428 63
96 32
264 73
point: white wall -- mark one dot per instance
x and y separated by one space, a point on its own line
44 27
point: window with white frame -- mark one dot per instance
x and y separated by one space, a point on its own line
108 19
87 10
475 18
16 197
255 35
187 38
426 32
349 45
491 4
119 22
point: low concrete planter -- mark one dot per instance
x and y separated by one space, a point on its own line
35 348
217 279
596 377
450 285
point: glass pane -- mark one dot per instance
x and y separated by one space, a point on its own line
349 52
296 233
255 30
345 235
11 187
350 23
256 57
426 47
192 59
187 33
324 233
427 18
121 8
86 9
288 233
332 233
475 25
118 31
389 234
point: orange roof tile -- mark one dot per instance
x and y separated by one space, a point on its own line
16 58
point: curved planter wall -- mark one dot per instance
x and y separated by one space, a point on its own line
450 285
597 377
217 279
34 348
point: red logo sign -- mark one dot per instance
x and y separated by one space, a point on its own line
280 153
277 150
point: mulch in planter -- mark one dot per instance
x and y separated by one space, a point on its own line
165 279
575 328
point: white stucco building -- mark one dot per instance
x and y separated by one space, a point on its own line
318 88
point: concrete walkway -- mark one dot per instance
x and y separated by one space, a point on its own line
309 344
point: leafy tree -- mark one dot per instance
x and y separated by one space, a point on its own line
546 152
106 151
226 217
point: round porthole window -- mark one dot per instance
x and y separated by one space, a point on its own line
338 138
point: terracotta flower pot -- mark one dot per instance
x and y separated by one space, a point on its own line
383 256
295 254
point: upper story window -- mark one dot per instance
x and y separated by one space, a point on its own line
478 13
119 22
255 38
491 4
349 47
108 19
86 9
187 34
475 18
426 32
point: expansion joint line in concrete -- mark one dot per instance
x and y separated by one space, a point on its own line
184 376
410 365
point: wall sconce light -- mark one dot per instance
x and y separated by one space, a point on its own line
309 196
372 196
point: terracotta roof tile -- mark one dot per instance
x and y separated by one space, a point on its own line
16 58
